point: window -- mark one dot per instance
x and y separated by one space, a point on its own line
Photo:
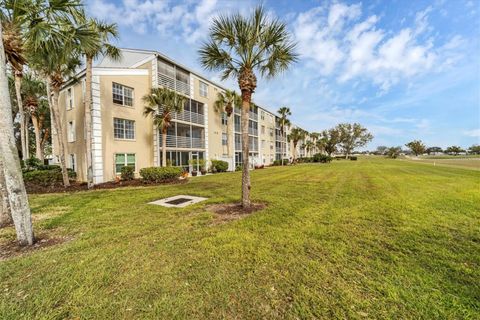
69 98
71 131
262 145
224 139
122 95
262 115
124 159
224 119
71 160
203 89
271 132
263 129
123 129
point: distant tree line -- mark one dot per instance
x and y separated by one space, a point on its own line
417 147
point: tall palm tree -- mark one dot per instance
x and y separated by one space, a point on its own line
284 122
34 97
100 47
160 104
10 163
296 134
240 46
225 104
309 146
315 136
13 16
56 56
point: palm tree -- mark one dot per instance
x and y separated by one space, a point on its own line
10 163
284 122
100 47
34 97
296 134
225 104
160 104
56 51
315 136
240 46
309 146
13 16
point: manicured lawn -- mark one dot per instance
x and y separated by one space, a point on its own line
371 238
460 162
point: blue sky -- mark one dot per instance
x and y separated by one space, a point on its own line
404 69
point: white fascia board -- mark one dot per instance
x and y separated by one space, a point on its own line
119 72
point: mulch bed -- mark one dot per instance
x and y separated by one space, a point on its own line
233 211
10 249
82 186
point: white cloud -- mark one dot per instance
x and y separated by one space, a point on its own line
475 133
344 47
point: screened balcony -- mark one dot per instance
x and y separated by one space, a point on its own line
193 112
172 77
183 136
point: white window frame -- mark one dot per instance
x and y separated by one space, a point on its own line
123 95
69 100
125 163
203 89
71 134
124 130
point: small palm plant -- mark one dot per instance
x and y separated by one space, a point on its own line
160 104
239 47
309 146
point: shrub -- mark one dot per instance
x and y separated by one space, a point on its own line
47 178
33 163
48 167
322 158
354 158
279 163
219 166
127 173
340 157
160 174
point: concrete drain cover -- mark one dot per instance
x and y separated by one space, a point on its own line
179 201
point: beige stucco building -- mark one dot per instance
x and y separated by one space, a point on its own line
122 135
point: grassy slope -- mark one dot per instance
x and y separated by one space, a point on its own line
372 238
470 162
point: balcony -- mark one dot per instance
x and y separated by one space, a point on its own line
188 116
279 138
253 131
253 116
173 84
183 142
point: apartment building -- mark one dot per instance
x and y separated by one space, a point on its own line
122 135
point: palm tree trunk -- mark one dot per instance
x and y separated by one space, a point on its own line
5 214
18 93
281 148
38 138
246 99
27 136
88 121
17 195
55 112
164 147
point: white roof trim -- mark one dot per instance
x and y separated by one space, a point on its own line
119 72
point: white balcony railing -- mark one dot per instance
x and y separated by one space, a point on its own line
173 84
188 116
183 142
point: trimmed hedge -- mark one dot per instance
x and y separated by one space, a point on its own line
47 178
279 163
322 158
354 158
219 166
160 174
127 173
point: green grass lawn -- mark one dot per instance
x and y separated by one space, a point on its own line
460 162
372 238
